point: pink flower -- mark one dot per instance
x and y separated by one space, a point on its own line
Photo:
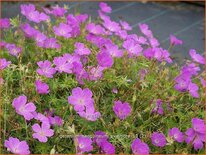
51 43
63 30
176 134
28 30
122 110
144 28
42 118
80 49
80 98
197 57
95 73
41 88
42 132
133 48
84 144
40 39
4 23
45 69
112 26
13 50
95 29
125 25
100 137
16 146
158 139
139 147
71 58
114 50
90 113
56 11
62 65
4 63
107 147
31 14
104 7
23 108
175 41
203 82
158 107
56 120
104 59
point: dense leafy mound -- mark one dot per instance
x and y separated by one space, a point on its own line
75 85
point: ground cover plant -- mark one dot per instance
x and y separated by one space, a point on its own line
72 84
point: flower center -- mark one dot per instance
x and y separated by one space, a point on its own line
81 146
175 136
156 141
41 133
81 101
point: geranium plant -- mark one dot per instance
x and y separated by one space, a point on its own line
72 84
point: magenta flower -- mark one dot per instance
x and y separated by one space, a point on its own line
42 132
105 59
197 57
139 147
40 117
41 88
45 69
95 29
125 25
51 43
114 50
203 82
13 50
28 30
176 134
63 30
158 107
62 65
122 110
40 39
80 49
122 34
82 17
4 63
190 69
71 58
56 11
144 28
154 42
80 98
23 108
90 113
4 23
56 120
95 73
16 146
84 144
104 7
133 48
31 14
184 83
196 134
158 139
111 26
100 137
107 147
175 41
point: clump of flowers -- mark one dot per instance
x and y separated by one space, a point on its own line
93 86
